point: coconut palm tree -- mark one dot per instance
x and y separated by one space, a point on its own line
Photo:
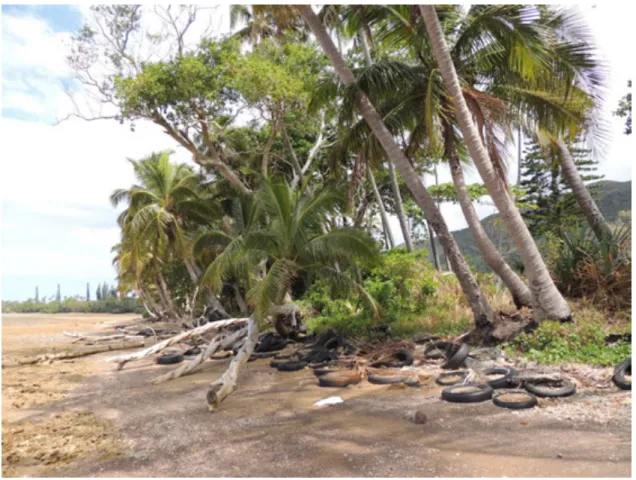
482 312
291 243
165 209
547 300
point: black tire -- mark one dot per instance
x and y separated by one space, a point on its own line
290 366
404 357
456 359
436 350
568 388
529 402
469 393
170 358
192 351
624 368
258 355
501 382
334 343
320 354
279 356
385 379
320 371
445 379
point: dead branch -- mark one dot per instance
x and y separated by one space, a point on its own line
211 349
225 385
123 359
50 357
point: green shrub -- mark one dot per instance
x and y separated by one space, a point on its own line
553 342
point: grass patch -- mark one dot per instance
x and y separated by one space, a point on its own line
580 342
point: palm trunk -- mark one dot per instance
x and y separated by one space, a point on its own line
547 300
582 195
385 219
520 292
211 299
431 238
165 292
483 314
399 206
437 184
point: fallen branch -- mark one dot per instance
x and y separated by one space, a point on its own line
50 357
102 338
211 349
123 359
225 385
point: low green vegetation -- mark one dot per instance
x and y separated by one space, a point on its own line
580 342
412 297
73 305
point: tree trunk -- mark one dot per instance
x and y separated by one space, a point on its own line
547 300
268 147
167 297
298 171
582 195
483 314
385 219
399 209
399 206
448 268
225 385
520 292
211 299
431 237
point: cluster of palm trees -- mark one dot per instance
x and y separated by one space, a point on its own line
409 84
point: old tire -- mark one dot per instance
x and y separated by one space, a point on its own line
192 351
540 390
403 357
451 378
385 379
334 343
530 401
258 355
470 393
170 358
456 359
339 379
501 382
436 350
290 366
624 368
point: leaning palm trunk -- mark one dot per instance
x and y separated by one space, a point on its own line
520 292
385 219
437 184
212 300
483 314
582 195
547 301
165 294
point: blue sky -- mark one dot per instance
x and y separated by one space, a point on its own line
57 222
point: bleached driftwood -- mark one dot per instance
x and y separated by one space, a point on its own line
102 338
123 359
225 385
211 349
50 357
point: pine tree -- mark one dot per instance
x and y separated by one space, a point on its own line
98 292
554 207
58 295
88 292
37 294
104 291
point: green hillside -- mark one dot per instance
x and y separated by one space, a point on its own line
612 198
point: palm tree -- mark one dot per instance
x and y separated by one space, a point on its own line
291 243
548 302
483 314
164 210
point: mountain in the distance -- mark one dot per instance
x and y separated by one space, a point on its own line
612 198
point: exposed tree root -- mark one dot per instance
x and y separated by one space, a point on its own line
50 357
211 349
225 385
123 359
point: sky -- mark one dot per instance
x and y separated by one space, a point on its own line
57 224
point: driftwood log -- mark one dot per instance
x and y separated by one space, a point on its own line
123 359
225 385
50 357
211 349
